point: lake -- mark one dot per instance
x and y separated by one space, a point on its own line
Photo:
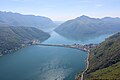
46 62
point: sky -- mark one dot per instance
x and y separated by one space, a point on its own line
61 10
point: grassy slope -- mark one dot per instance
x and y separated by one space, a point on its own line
103 57
112 72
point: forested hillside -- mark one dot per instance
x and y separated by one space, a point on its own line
105 60
13 38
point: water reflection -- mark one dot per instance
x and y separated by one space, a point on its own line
60 38
80 37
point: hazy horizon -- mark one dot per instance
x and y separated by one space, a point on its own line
62 10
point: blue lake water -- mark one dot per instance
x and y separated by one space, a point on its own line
58 39
45 62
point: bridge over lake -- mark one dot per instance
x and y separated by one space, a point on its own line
85 48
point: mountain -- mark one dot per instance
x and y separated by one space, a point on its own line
14 38
16 19
104 60
58 22
111 20
85 25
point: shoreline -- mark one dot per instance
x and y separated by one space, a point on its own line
79 77
85 48
14 50
82 76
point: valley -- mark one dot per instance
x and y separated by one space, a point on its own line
37 48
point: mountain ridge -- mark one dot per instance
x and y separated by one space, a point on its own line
86 25
17 19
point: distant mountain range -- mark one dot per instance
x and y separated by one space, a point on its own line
17 30
14 38
104 60
85 25
16 19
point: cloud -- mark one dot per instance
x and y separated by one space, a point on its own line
99 5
